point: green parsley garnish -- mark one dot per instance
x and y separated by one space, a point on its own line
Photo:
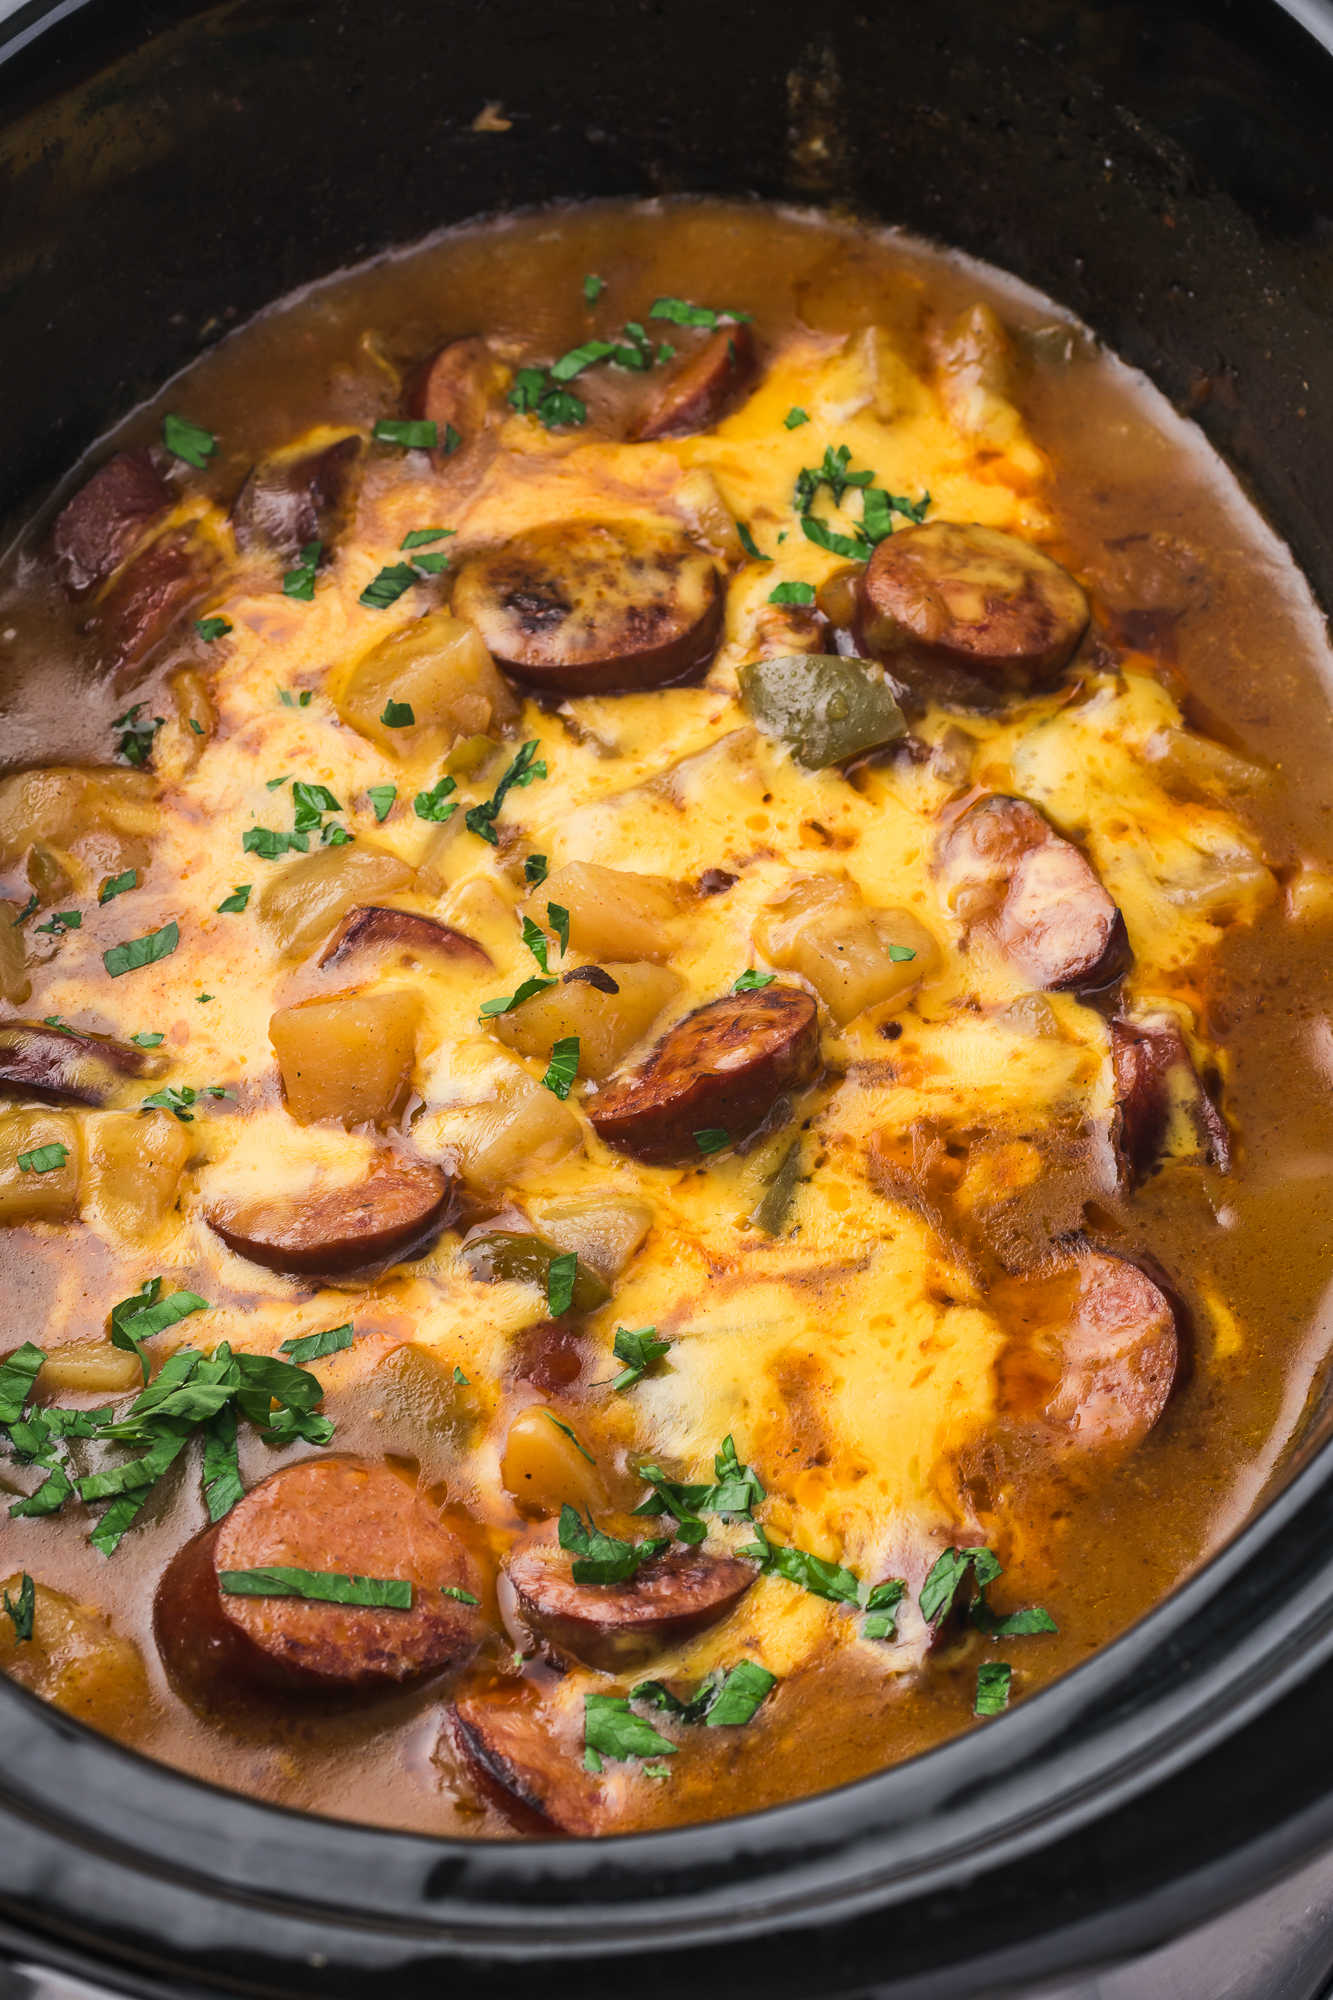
748 543
314 1346
601 1558
534 395
638 1348
535 870
735 1493
506 1002
824 537
751 981
463 1596
43 1159
593 288
62 921
379 1593
900 953
421 538
794 418
145 1313
300 583
563 1068
684 314
28 910
461 1379
210 629
188 441
569 1433
993 1683
398 715
437 804
381 798
882 1604
611 1729
560 1282
946 1577
116 885
147 1041
522 772
142 951
792 593
386 588
712 1139
136 742
21 1610
234 904
409 433
178 1097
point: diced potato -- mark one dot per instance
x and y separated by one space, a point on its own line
854 957
132 1169
1310 894
524 1127
71 809
350 1057
96 1370
423 1411
544 1469
25 1194
304 902
179 742
607 1024
75 1660
15 985
1185 762
52 873
612 914
1033 1015
440 668
604 1230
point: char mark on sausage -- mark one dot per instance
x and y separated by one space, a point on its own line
67 1065
1164 1109
619 1626
333 1516
287 503
702 388
534 1781
400 1207
371 927
722 1068
967 614
1012 877
594 607
95 531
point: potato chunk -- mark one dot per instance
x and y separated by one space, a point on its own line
544 1469
132 1170
95 1370
607 1024
439 667
27 1194
75 1660
604 1230
178 744
612 914
15 985
350 1057
854 957
102 817
308 898
523 1126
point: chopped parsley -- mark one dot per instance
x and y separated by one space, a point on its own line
146 1312
753 981
947 1575
792 593
638 1348
736 1491
234 905
563 1067
794 418
534 395
408 433
452 440
386 588
560 1281
900 953
601 1558
210 629
461 1379
684 314
299 581
379 1593
463 1596
28 910
593 287
284 694
712 1139
116 885
534 937
18 1372
506 1002
535 870
748 543
812 1573
62 921
141 951
398 715
882 1605
581 1449
271 845
61 1027
188 441
381 798
837 545
558 918
21 1610
611 1729
421 538
148 1041
179 1097
994 1680
136 741
437 804
525 768
578 358
44 1159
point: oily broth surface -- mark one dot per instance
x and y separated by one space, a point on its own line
852 1361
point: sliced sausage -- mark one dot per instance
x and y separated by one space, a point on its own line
1158 1091
458 388
372 928
287 503
595 607
700 389
618 1626
720 1069
95 531
338 1516
1011 876
966 613
67 1065
537 1782
400 1206
144 603
1105 1371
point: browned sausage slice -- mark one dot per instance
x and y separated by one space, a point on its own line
95 531
287 503
537 1782
458 388
968 613
67 1065
372 928
144 603
1157 1090
618 1626
720 1069
595 607
400 1206
702 388
339 1516
1105 1371
1009 874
